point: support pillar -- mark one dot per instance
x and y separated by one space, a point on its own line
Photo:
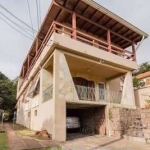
109 40
59 124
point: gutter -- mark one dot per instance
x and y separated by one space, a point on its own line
140 43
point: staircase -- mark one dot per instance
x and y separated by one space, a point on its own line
139 130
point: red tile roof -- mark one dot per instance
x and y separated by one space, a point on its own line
143 75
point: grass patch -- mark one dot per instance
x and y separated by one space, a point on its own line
52 148
3 141
23 131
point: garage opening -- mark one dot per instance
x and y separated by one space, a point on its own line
85 121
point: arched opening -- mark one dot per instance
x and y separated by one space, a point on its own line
85 89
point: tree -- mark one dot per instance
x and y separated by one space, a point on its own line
8 91
137 83
142 68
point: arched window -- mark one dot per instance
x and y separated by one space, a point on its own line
85 89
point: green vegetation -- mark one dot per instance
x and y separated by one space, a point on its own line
142 69
23 131
8 91
138 83
3 141
145 67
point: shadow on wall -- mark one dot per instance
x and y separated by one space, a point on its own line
23 117
48 125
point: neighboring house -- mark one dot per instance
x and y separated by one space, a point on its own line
74 69
142 94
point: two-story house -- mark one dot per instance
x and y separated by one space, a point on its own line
74 68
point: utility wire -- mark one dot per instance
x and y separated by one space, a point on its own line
21 27
16 17
37 11
30 16
16 29
40 11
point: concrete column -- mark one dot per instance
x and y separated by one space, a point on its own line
59 126
128 92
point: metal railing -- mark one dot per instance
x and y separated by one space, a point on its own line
93 94
48 93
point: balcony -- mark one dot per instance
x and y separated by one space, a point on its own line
89 39
98 95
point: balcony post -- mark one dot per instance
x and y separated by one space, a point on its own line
74 25
133 51
28 61
37 43
109 40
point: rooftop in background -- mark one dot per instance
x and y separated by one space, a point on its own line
143 75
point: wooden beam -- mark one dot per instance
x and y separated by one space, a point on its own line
91 19
125 45
109 40
86 19
76 5
37 45
114 25
84 12
74 25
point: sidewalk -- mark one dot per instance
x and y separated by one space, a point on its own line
19 143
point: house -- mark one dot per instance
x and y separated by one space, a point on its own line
142 94
79 65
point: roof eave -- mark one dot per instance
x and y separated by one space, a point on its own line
115 17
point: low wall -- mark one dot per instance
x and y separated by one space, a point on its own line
119 120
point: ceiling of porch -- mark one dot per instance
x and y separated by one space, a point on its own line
100 70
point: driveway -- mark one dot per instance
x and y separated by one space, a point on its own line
103 143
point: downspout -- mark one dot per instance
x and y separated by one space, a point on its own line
140 43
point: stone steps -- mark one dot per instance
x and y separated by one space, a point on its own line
140 126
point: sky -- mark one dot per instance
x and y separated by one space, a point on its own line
14 46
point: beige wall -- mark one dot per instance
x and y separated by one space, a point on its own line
114 85
141 95
51 115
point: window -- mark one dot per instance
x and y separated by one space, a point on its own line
35 87
101 91
35 113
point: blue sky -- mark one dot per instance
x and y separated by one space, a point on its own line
14 47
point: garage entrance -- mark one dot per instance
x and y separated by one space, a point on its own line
84 121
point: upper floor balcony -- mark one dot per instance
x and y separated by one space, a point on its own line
87 22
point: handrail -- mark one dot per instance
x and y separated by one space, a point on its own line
94 94
59 27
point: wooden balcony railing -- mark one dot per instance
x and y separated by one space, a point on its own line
80 36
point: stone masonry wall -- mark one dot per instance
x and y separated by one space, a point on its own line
119 120
130 122
92 119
